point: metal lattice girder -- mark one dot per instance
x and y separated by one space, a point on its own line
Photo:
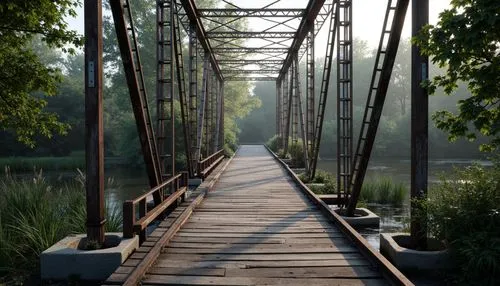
251 62
249 71
244 35
250 50
252 78
381 76
309 138
312 10
344 97
220 13
191 12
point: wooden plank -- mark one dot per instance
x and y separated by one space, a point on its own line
261 241
240 281
258 245
259 257
261 235
187 271
258 230
263 264
276 250
306 272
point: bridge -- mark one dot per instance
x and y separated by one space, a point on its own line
258 224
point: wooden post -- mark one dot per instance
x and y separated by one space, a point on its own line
419 125
94 128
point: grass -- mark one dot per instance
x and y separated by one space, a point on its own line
34 215
384 190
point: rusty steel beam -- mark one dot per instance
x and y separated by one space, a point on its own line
251 62
312 10
191 12
236 13
250 78
245 35
94 123
250 50
138 96
249 71
419 125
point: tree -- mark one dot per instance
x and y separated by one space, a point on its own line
25 80
466 42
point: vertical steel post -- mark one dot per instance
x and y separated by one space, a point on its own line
284 139
201 109
309 138
222 138
301 115
208 105
94 127
289 108
419 125
344 97
193 92
217 116
295 106
278 109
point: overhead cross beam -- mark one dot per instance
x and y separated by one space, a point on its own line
232 13
190 9
312 10
244 35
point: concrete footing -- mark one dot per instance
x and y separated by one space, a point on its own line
392 247
363 218
64 260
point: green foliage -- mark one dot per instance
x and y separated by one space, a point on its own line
23 164
463 211
465 42
35 214
25 79
274 143
384 190
296 153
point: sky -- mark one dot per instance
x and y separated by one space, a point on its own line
367 17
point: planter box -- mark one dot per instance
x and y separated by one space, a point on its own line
392 247
363 218
64 259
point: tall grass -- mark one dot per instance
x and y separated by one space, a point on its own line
34 215
384 190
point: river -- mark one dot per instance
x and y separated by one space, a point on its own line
128 184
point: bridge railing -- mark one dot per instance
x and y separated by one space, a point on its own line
207 165
135 221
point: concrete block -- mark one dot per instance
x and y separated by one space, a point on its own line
194 182
64 259
392 246
363 218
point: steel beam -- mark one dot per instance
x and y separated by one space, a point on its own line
249 71
137 90
237 13
312 10
250 50
250 78
309 132
250 35
193 93
191 12
94 123
419 125
251 62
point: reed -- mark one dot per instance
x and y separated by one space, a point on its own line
35 214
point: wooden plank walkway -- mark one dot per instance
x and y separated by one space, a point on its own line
257 228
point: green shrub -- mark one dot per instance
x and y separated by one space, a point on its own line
463 210
35 214
274 143
296 153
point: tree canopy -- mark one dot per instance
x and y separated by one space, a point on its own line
466 42
25 79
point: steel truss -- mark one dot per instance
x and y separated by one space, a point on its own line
227 53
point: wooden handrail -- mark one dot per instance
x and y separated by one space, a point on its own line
208 164
136 223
